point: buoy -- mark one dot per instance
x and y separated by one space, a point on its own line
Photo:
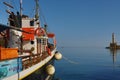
50 69
58 56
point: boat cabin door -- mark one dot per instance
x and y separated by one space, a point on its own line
41 45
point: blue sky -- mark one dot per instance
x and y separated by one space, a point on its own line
78 22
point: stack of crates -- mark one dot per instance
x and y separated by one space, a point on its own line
8 53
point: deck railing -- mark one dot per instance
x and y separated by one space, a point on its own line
29 60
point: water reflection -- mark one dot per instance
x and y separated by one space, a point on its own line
95 64
114 53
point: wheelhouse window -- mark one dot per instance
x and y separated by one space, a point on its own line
31 23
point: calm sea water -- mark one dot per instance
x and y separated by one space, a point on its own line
88 64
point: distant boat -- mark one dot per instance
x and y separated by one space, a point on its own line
113 44
26 47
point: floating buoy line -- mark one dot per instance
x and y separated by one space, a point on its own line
67 59
50 69
70 61
59 56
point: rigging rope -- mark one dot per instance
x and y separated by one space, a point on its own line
43 19
41 14
14 4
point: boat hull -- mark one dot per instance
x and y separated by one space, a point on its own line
27 72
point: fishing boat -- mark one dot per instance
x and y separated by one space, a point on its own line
26 49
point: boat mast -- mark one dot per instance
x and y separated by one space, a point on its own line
37 10
20 7
20 22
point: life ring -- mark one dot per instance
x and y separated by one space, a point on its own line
39 31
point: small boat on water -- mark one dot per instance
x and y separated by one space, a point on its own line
26 47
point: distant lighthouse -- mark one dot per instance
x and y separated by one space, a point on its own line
113 38
113 44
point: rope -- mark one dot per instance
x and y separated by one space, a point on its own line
48 77
14 4
43 19
41 14
70 61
